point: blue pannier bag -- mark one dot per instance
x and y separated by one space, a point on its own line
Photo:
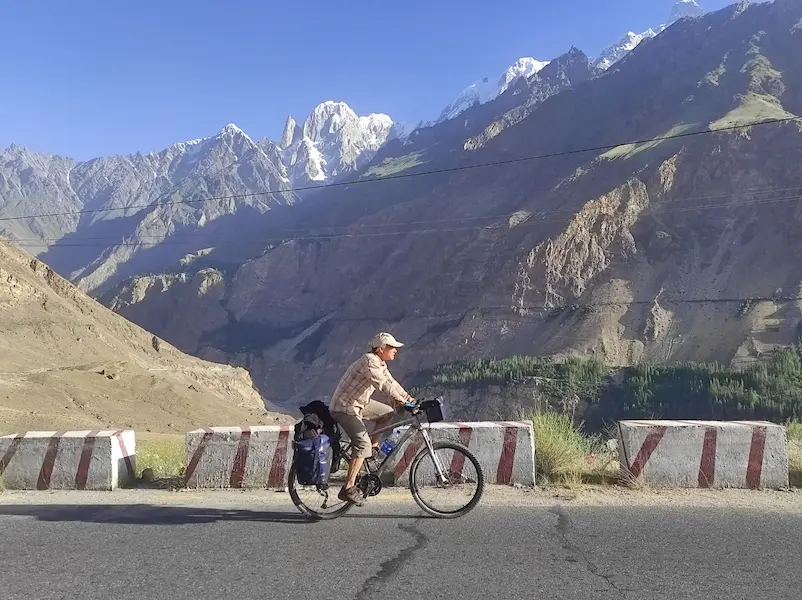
311 460
315 434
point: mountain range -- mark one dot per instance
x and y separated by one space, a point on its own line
332 141
682 9
644 249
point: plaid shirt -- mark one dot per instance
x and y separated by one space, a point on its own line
365 375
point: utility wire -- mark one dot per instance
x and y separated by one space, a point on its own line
409 175
324 237
538 215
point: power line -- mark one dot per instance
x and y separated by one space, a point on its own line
325 237
289 231
570 308
296 229
409 175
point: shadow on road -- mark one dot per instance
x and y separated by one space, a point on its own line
145 514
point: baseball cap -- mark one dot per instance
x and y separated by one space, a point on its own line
384 339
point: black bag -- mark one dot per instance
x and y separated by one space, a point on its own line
315 434
321 411
309 427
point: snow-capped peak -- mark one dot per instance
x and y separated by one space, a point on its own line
235 133
288 136
231 128
485 89
326 118
332 140
625 45
611 55
523 67
686 8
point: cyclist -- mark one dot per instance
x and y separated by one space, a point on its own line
351 405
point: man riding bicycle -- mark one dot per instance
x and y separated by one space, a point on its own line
351 405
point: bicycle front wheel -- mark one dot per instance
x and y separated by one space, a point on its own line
464 484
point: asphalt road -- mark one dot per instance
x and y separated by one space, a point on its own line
388 550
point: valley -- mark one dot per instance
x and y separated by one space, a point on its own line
640 206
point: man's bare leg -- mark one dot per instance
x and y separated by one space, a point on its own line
353 469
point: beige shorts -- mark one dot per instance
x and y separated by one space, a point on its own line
355 428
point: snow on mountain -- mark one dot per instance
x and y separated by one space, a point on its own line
625 45
686 8
332 140
402 129
523 67
611 55
486 89
289 133
478 92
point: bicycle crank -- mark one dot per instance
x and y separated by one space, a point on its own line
369 485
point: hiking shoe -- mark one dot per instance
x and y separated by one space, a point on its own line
351 495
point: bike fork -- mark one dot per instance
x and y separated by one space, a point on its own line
437 466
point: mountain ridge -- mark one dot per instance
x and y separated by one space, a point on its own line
628 254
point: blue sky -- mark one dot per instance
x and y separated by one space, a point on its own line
97 77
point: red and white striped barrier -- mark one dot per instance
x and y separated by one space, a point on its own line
505 450
261 456
68 460
238 457
704 454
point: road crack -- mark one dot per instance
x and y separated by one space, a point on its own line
563 527
391 567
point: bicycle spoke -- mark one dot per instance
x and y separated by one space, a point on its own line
462 488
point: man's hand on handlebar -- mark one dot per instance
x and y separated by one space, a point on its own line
411 406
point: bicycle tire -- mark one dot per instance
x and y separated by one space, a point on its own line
296 500
468 455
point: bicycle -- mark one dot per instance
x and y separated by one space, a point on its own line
421 472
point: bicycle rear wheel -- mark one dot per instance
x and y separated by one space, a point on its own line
316 503
464 484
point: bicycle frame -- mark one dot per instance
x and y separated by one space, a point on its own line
415 427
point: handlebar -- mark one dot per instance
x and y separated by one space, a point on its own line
411 407
422 407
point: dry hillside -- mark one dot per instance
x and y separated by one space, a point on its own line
67 362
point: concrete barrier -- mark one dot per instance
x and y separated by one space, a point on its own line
238 457
704 454
504 449
261 456
68 460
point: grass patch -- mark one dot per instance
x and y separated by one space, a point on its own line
565 455
752 109
164 457
713 78
794 431
630 150
395 165
795 463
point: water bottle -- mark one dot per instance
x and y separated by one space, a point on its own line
388 444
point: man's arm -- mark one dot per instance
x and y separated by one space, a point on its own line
385 383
